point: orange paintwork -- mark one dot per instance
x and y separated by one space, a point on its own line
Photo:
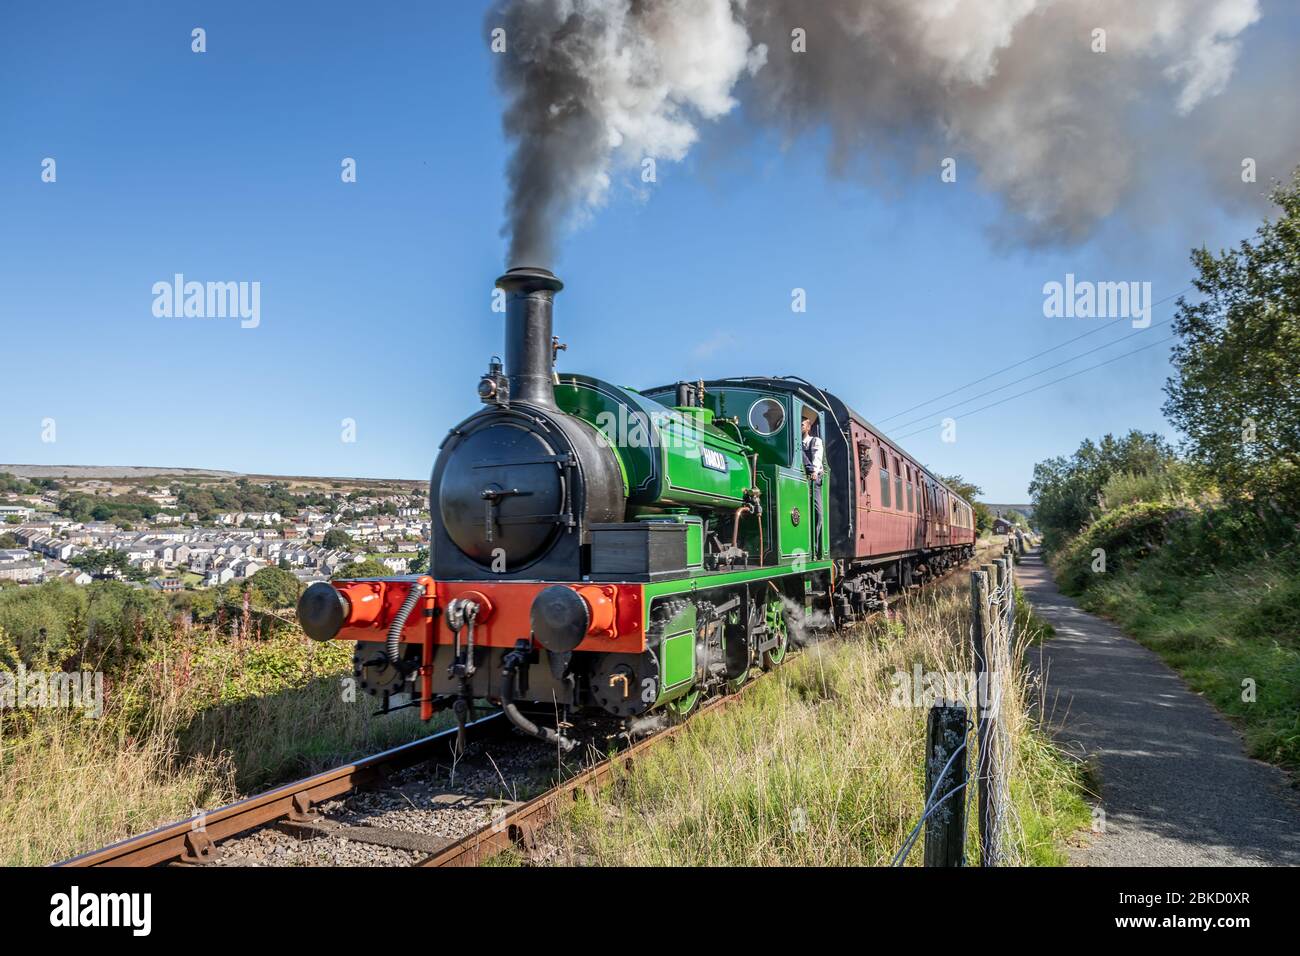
617 612
602 603
375 603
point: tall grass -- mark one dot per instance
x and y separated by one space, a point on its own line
203 719
822 764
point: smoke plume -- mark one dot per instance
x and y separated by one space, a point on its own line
595 82
1050 114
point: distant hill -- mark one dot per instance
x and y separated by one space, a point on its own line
130 473
108 471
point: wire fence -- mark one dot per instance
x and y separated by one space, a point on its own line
949 734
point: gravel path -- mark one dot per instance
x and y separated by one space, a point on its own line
1177 788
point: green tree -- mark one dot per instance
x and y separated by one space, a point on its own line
100 562
337 538
369 568
273 588
1236 390
7 540
420 563
1066 490
9 482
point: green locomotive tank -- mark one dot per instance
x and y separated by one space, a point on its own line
670 457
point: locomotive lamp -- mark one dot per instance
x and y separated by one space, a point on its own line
494 387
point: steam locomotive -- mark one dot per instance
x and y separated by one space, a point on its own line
598 548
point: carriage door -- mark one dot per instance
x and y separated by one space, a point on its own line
864 466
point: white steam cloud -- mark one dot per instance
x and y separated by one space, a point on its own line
1018 88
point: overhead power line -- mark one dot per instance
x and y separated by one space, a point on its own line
1025 378
1007 368
1036 388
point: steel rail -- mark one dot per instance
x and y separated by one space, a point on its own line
194 840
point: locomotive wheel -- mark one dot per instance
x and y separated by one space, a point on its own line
776 623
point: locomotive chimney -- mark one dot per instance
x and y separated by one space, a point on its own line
530 295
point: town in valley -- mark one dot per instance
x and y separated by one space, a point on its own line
173 529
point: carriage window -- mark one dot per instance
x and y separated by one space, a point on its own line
911 502
884 488
766 416
898 484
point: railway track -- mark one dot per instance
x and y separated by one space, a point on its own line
296 809
195 840
307 810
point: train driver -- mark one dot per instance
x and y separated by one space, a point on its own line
814 460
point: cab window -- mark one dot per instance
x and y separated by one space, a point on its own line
766 416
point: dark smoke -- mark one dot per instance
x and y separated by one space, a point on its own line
592 83
1015 90
552 120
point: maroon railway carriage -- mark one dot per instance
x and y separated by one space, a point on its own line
891 521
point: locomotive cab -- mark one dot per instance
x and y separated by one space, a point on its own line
767 420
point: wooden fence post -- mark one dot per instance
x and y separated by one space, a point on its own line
1011 604
983 631
998 582
979 589
945 830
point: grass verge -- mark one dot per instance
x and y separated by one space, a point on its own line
822 764
201 721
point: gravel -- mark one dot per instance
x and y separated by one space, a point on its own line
431 804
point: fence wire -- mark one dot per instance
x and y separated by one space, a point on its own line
992 761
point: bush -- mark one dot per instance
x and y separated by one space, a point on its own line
1275 615
1126 535
102 626
1126 488
1227 536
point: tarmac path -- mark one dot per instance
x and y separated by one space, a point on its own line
1177 788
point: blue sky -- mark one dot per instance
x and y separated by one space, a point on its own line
375 296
